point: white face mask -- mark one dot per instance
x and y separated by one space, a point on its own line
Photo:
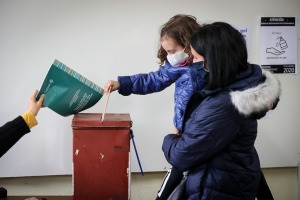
177 58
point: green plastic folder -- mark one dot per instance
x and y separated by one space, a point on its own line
67 92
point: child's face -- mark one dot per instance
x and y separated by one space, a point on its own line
170 45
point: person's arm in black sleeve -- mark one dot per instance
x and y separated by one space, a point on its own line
11 132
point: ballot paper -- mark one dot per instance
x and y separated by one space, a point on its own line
68 92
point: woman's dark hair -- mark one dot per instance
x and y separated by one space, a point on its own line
180 28
224 49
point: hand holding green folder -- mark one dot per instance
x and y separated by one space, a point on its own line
67 92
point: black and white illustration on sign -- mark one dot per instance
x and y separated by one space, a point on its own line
278 44
279 48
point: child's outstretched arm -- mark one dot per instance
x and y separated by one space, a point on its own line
145 83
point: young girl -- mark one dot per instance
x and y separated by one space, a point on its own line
175 58
176 67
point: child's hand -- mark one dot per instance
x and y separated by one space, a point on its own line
113 85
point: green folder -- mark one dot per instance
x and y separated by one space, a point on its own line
67 92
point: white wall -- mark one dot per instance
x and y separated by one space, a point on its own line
104 39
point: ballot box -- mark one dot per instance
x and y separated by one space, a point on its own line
101 156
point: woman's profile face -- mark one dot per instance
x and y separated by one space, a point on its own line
196 56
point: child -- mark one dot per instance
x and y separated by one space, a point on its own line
175 58
176 67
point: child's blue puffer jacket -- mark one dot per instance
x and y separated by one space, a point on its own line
188 79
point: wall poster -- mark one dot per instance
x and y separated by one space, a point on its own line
278 44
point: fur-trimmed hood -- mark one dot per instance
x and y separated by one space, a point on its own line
259 98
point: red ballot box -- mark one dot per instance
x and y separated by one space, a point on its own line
101 156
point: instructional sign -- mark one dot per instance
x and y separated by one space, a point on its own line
278 44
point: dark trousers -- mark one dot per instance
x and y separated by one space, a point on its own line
171 180
174 176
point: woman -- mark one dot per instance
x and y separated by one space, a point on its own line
220 125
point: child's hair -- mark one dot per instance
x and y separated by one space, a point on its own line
180 28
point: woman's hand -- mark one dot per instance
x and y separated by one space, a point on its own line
111 86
